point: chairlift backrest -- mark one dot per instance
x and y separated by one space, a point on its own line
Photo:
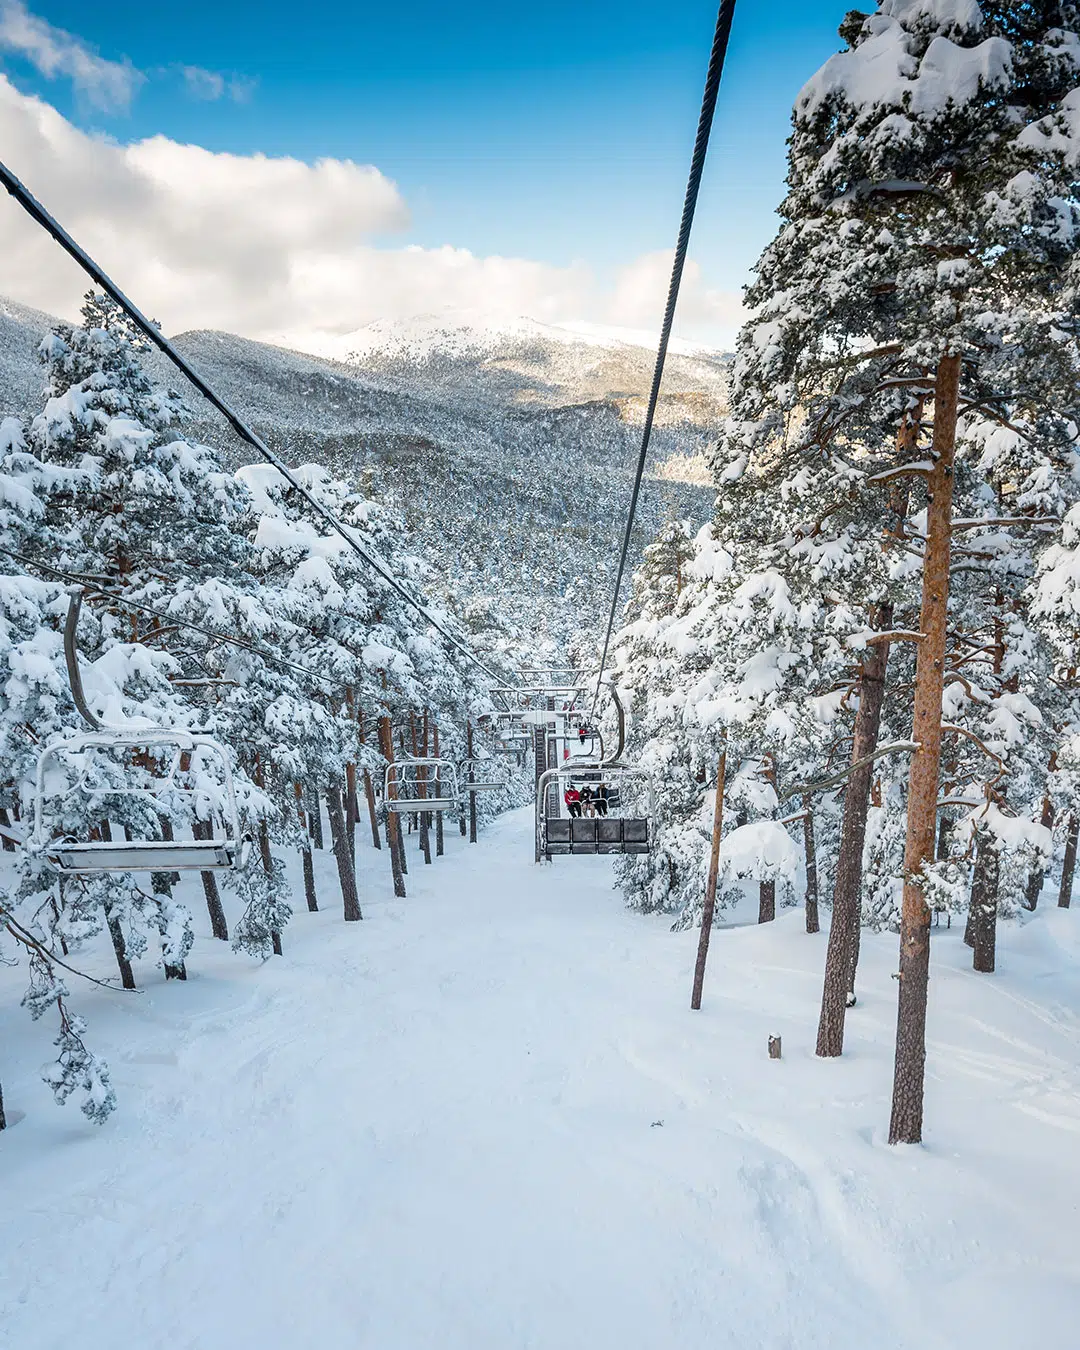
423 784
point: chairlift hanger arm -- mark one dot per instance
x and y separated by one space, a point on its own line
33 208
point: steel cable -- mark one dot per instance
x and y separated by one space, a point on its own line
33 208
697 164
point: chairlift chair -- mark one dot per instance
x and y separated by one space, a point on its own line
618 832
224 849
140 748
480 775
425 784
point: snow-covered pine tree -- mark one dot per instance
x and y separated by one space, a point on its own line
935 220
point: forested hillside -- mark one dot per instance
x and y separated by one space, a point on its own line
507 453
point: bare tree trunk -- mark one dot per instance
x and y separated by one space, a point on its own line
1068 866
840 957
472 795
425 816
439 839
709 909
393 825
369 787
766 902
202 829
984 903
5 819
3 1118
305 851
264 848
314 815
1038 875
340 840
352 804
813 924
905 1125
116 933
162 884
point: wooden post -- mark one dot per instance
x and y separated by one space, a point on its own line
710 885
774 1047
905 1124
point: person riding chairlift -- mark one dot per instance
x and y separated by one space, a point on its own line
600 800
572 798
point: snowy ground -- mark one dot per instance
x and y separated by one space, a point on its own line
485 1119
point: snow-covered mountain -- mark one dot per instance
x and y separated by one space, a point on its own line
508 447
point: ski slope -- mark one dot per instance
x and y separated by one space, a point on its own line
485 1119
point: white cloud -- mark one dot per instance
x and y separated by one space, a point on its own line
211 85
641 290
107 85
264 246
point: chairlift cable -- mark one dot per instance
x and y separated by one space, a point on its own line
34 208
697 164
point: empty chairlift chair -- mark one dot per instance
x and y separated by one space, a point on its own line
482 775
132 781
420 785
626 828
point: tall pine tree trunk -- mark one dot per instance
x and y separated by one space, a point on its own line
813 924
847 888
342 856
1068 866
906 1120
766 902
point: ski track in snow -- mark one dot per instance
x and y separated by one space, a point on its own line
485 1119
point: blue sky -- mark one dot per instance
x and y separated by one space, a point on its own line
557 132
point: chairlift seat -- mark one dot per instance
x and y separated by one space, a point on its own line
163 855
583 834
408 805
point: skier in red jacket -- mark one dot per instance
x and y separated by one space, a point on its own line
572 798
